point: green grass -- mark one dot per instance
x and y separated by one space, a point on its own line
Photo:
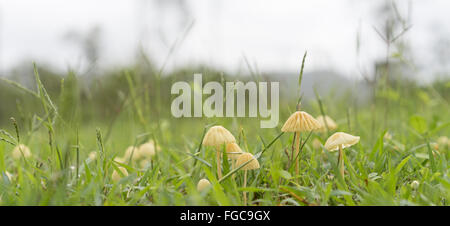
379 170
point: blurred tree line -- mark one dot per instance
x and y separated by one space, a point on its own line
137 88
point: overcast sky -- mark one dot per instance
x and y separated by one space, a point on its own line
271 33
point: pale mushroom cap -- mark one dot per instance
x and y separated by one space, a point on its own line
120 160
147 150
116 176
415 184
316 143
340 138
330 123
300 121
132 150
157 147
19 149
203 184
92 155
217 136
143 163
443 140
243 158
233 151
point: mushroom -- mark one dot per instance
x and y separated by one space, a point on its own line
116 176
339 141
216 137
326 123
253 164
144 163
132 152
233 153
147 150
316 144
415 184
21 150
203 184
120 160
92 155
298 122
443 141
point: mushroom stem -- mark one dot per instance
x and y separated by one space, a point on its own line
341 161
219 171
245 185
297 150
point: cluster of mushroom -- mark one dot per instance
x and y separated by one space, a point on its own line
301 121
141 155
222 139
